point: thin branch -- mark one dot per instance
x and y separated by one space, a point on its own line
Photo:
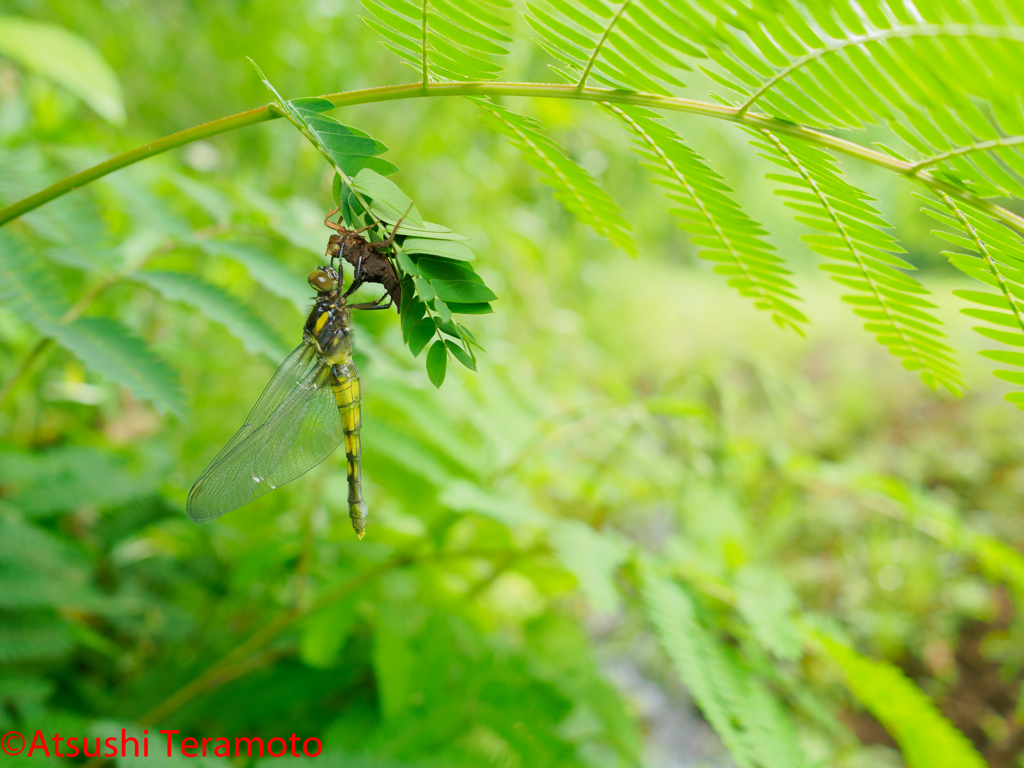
981 146
534 90
36 353
600 44
923 30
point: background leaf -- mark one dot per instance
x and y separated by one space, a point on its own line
926 738
219 306
106 346
67 59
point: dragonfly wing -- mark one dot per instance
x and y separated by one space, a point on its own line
293 427
294 369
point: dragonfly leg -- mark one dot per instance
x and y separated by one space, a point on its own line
357 277
376 304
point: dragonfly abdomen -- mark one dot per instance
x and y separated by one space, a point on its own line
345 382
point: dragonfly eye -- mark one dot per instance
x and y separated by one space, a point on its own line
322 281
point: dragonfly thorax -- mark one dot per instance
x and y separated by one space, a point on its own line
328 329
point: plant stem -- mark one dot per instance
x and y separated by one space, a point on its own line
132 156
37 352
238 661
533 90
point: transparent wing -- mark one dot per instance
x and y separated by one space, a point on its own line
293 427
294 369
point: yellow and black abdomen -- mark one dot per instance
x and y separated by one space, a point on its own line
328 326
345 381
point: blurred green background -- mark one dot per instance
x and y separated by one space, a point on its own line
482 621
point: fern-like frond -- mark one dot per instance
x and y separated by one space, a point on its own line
62 479
830 73
591 557
444 39
262 267
28 639
574 187
102 345
925 737
850 63
750 721
634 45
995 258
851 233
219 306
766 601
707 211
936 73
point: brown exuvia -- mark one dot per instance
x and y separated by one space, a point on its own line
370 261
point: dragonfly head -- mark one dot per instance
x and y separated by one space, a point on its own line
324 279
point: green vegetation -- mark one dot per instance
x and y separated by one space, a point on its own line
652 528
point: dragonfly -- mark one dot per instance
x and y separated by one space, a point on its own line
312 403
310 406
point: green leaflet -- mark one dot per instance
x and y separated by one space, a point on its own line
387 202
463 354
462 291
422 332
437 247
349 150
437 363
66 59
850 232
219 306
926 738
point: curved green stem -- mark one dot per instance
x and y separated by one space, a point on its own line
533 90
132 156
